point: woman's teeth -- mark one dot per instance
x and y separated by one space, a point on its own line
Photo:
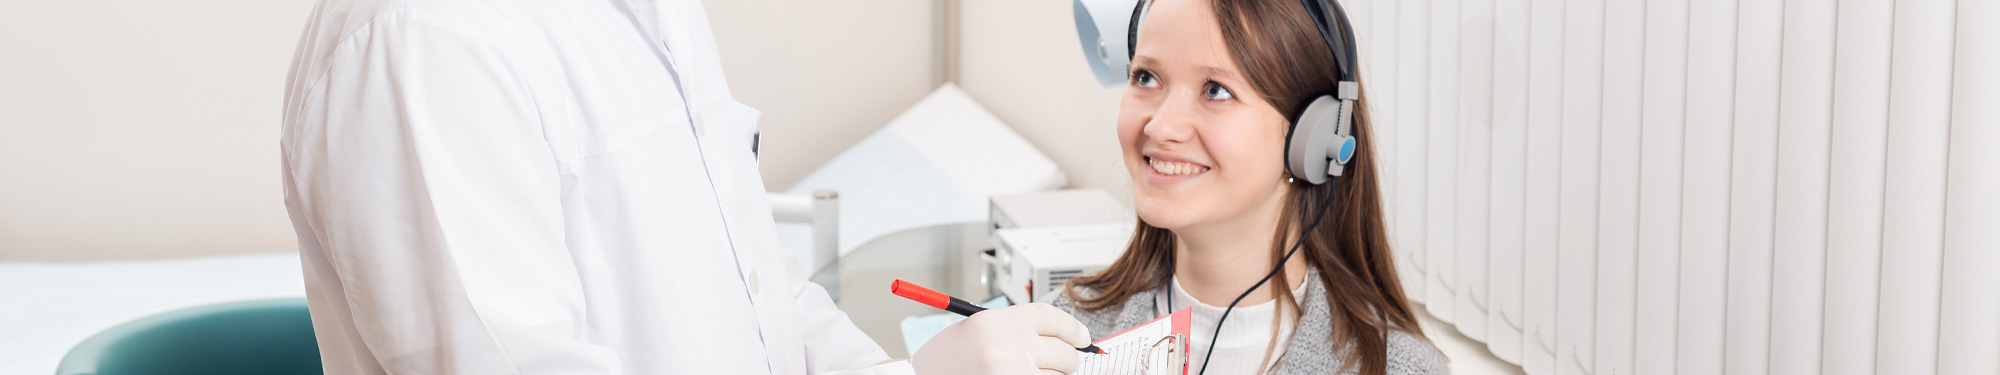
1175 168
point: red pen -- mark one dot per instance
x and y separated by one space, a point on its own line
957 306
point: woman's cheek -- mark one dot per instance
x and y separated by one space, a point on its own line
1128 134
1131 128
1252 157
1133 115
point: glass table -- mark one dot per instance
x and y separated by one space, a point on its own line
942 257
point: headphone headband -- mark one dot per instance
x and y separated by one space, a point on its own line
1132 28
1339 43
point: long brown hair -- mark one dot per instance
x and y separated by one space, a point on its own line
1281 52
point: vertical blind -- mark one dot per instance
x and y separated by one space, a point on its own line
1616 187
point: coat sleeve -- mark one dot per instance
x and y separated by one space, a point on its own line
427 204
834 345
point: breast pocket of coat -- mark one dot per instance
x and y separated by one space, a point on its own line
606 124
728 129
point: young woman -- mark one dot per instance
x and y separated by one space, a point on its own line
1214 87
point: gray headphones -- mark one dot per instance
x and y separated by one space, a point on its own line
1322 138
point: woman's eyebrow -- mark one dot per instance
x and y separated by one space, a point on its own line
1209 70
1148 60
1213 71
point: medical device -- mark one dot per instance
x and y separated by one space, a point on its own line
1097 25
1043 239
1319 140
1032 262
1056 208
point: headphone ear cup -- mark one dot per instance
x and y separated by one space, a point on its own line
1341 152
1314 140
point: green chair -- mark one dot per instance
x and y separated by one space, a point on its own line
265 337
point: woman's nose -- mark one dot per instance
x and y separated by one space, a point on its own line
1175 120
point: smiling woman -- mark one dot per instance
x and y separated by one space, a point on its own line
1215 87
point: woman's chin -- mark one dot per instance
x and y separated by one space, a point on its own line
1164 213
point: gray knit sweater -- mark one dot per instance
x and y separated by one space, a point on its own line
1310 351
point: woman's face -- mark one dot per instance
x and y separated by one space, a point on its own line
1203 147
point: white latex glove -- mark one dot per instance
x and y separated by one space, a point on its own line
1025 339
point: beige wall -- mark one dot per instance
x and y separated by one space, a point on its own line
146 129
142 128
1021 59
824 73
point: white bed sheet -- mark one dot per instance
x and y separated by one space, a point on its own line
46 308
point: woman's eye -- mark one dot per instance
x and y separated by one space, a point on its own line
1145 79
1215 91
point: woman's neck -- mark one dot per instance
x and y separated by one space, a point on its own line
1216 262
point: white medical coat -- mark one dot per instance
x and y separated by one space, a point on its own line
540 187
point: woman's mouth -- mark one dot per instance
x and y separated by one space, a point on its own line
1175 168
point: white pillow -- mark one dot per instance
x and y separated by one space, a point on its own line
934 164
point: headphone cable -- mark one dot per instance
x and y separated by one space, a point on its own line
1325 205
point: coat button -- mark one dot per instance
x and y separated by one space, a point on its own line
700 127
753 284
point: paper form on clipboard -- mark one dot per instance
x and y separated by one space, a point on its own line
1158 347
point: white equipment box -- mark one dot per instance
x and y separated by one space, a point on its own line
1036 261
1056 208
1041 240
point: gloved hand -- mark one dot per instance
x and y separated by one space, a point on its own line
1025 339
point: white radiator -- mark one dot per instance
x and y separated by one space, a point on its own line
1616 187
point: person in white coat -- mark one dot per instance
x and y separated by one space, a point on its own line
562 186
